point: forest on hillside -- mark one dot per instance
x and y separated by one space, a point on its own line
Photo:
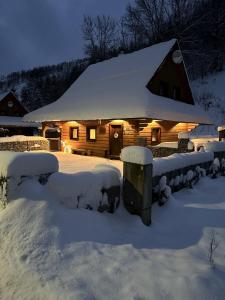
198 25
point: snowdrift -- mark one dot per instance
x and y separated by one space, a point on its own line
17 164
97 189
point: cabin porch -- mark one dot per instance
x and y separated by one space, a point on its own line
106 138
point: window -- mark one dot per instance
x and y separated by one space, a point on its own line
163 89
91 133
156 136
74 133
176 93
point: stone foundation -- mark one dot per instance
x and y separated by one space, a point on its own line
21 146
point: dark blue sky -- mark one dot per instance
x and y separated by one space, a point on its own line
39 32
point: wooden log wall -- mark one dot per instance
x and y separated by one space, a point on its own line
131 130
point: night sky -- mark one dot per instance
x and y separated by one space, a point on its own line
40 32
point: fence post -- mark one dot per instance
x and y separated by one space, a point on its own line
137 181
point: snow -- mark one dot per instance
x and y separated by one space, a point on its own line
214 146
200 142
173 145
176 161
72 163
84 189
211 90
17 164
137 155
3 95
17 121
21 138
183 135
50 252
121 84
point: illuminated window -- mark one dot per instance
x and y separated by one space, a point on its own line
74 133
156 135
91 133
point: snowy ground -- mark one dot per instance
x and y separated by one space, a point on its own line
70 163
50 252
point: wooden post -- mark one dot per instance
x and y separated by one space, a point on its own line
137 182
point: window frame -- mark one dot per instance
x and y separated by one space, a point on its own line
158 141
71 133
88 129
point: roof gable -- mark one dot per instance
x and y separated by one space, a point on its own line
116 88
17 109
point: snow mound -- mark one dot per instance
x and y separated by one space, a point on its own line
16 164
85 189
179 160
137 155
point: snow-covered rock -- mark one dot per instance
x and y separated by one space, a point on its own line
137 155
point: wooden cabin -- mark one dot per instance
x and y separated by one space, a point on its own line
142 98
11 117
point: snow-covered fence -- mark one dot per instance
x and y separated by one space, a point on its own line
17 166
218 148
137 181
98 189
142 185
177 171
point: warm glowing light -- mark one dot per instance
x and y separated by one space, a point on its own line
72 123
92 134
117 121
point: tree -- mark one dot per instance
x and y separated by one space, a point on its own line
100 35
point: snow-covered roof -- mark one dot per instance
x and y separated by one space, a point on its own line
116 89
17 122
2 95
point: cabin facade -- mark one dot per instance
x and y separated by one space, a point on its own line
142 98
11 117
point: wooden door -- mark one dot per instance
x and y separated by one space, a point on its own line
116 140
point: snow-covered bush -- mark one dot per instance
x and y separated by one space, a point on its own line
163 191
215 168
17 166
3 192
222 167
98 189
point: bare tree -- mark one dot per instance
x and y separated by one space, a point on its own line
213 245
100 35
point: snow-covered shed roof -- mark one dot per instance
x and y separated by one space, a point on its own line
3 95
116 89
17 122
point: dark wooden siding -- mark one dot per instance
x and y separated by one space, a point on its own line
175 76
17 110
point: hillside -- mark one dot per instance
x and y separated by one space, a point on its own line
43 85
209 93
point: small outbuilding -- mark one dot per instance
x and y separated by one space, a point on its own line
11 117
